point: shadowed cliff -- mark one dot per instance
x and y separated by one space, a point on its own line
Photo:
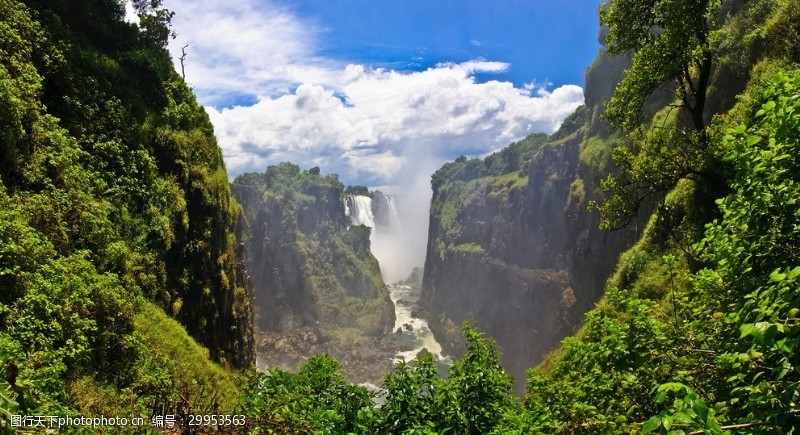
511 244
314 275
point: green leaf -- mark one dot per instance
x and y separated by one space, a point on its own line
701 409
777 276
746 329
752 140
764 333
666 421
651 425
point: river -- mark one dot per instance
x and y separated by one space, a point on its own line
411 333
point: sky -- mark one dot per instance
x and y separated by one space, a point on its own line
381 91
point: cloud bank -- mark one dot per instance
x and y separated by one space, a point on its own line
378 122
271 98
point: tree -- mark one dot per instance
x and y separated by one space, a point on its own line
669 43
155 21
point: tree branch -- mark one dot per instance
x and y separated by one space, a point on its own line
731 427
182 58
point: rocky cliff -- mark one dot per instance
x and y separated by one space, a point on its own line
318 289
511 244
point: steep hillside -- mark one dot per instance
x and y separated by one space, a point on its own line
318 289
697 331
511 243
116 210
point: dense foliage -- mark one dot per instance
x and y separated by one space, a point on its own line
681 51
114 202
510 159
717 349
472 400
117 245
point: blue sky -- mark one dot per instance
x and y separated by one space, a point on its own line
381 92
543 41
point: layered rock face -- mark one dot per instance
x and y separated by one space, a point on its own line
518 252
317 286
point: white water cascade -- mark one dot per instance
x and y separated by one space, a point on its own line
359 209
387 245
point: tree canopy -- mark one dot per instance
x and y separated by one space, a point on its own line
669 42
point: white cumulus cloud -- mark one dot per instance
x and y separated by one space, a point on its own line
368 124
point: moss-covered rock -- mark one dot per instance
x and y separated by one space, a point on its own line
312 271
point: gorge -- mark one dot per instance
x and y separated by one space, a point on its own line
138 280
411 332
511 246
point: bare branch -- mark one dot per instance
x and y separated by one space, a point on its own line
182 58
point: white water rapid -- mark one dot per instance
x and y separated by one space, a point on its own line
411 333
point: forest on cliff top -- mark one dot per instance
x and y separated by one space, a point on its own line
123 292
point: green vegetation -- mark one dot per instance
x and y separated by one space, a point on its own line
509 159
472 400
463 181
678 56
472 248
679 52
114 208
577 191
596 153
287 179
301 212
122 292
357 190
709 350
697 330
502 186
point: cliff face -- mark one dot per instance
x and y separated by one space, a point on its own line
313 274
517 251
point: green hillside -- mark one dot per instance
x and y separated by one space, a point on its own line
116 215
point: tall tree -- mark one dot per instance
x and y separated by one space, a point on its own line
669 44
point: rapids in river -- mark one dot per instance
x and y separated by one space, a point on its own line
411 333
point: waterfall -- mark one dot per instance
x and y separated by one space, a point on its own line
385 212
386 239
359 209
388 244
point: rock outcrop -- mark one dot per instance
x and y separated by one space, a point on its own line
312 272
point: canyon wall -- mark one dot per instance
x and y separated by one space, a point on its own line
318 288
512 245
